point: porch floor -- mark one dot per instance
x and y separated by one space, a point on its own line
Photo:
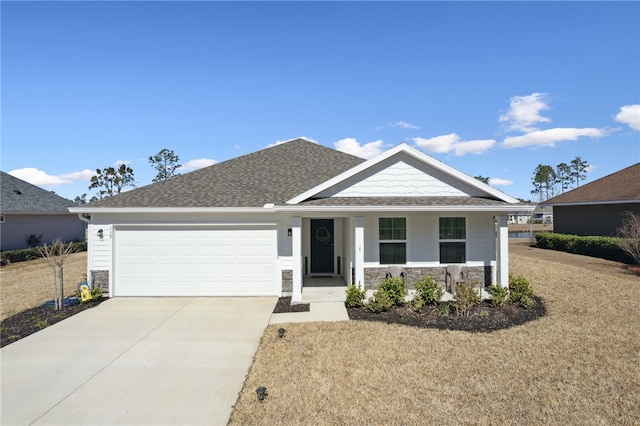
323 289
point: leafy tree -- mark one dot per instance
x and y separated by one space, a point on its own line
166 163
80 199
544 181
482 179
563 171
578 169
112 181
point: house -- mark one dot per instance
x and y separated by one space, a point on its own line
262 223
598 208
31 214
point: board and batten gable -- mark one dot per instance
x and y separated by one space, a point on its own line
401 176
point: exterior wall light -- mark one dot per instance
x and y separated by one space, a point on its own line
289 232
100 234
281 332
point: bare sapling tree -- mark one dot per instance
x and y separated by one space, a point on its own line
55 255
629 233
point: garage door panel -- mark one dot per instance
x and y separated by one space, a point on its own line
167 261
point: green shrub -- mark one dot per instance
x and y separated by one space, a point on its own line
355 296
22 255
594 246
466 297
521 292
395 288
379 302
499 295
428 292
96 293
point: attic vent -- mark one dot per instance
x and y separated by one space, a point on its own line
15 191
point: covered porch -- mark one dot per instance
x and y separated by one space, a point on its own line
328 252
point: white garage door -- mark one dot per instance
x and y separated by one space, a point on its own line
166 261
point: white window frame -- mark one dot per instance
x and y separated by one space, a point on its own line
454 240
405 240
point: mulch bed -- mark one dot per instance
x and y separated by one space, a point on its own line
284 305
483 318
27 322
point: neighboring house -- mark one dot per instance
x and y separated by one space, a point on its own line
261 223
541 214
598 208
26 210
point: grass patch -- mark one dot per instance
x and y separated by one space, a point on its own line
576 365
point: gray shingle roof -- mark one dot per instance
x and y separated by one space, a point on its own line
623 185
408 201
18 196
272 175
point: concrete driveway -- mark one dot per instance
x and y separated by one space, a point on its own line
135 361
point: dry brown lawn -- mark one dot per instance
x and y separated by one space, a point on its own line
26 285
578 365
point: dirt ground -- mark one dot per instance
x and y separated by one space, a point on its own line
26 285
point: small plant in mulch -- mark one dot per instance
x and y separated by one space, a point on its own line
513 306
27 322
284 306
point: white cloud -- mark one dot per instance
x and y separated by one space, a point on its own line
550 137
404 125
473 147
118 163
353 147
438 144
453 143
199 163
524 112
629 115
499 182
40 178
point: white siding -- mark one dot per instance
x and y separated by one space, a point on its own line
401 176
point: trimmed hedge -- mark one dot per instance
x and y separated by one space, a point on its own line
594 246
22 255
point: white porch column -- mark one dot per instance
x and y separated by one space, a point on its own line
296 240
503 251
359 251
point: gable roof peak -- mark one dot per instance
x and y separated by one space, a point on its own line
416 154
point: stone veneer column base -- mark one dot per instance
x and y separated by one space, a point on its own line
100 279
373 276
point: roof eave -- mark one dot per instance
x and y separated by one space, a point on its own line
591 203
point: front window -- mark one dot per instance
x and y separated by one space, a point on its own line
392 233
453 236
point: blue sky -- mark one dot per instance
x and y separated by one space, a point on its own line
490 88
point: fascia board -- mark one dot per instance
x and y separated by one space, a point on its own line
418 155
591 203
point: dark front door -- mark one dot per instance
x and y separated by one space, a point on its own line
322 246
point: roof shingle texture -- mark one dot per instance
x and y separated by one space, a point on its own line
407 201
619 186
18 196
272 175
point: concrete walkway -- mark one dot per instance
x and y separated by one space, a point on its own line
325 304
135 361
